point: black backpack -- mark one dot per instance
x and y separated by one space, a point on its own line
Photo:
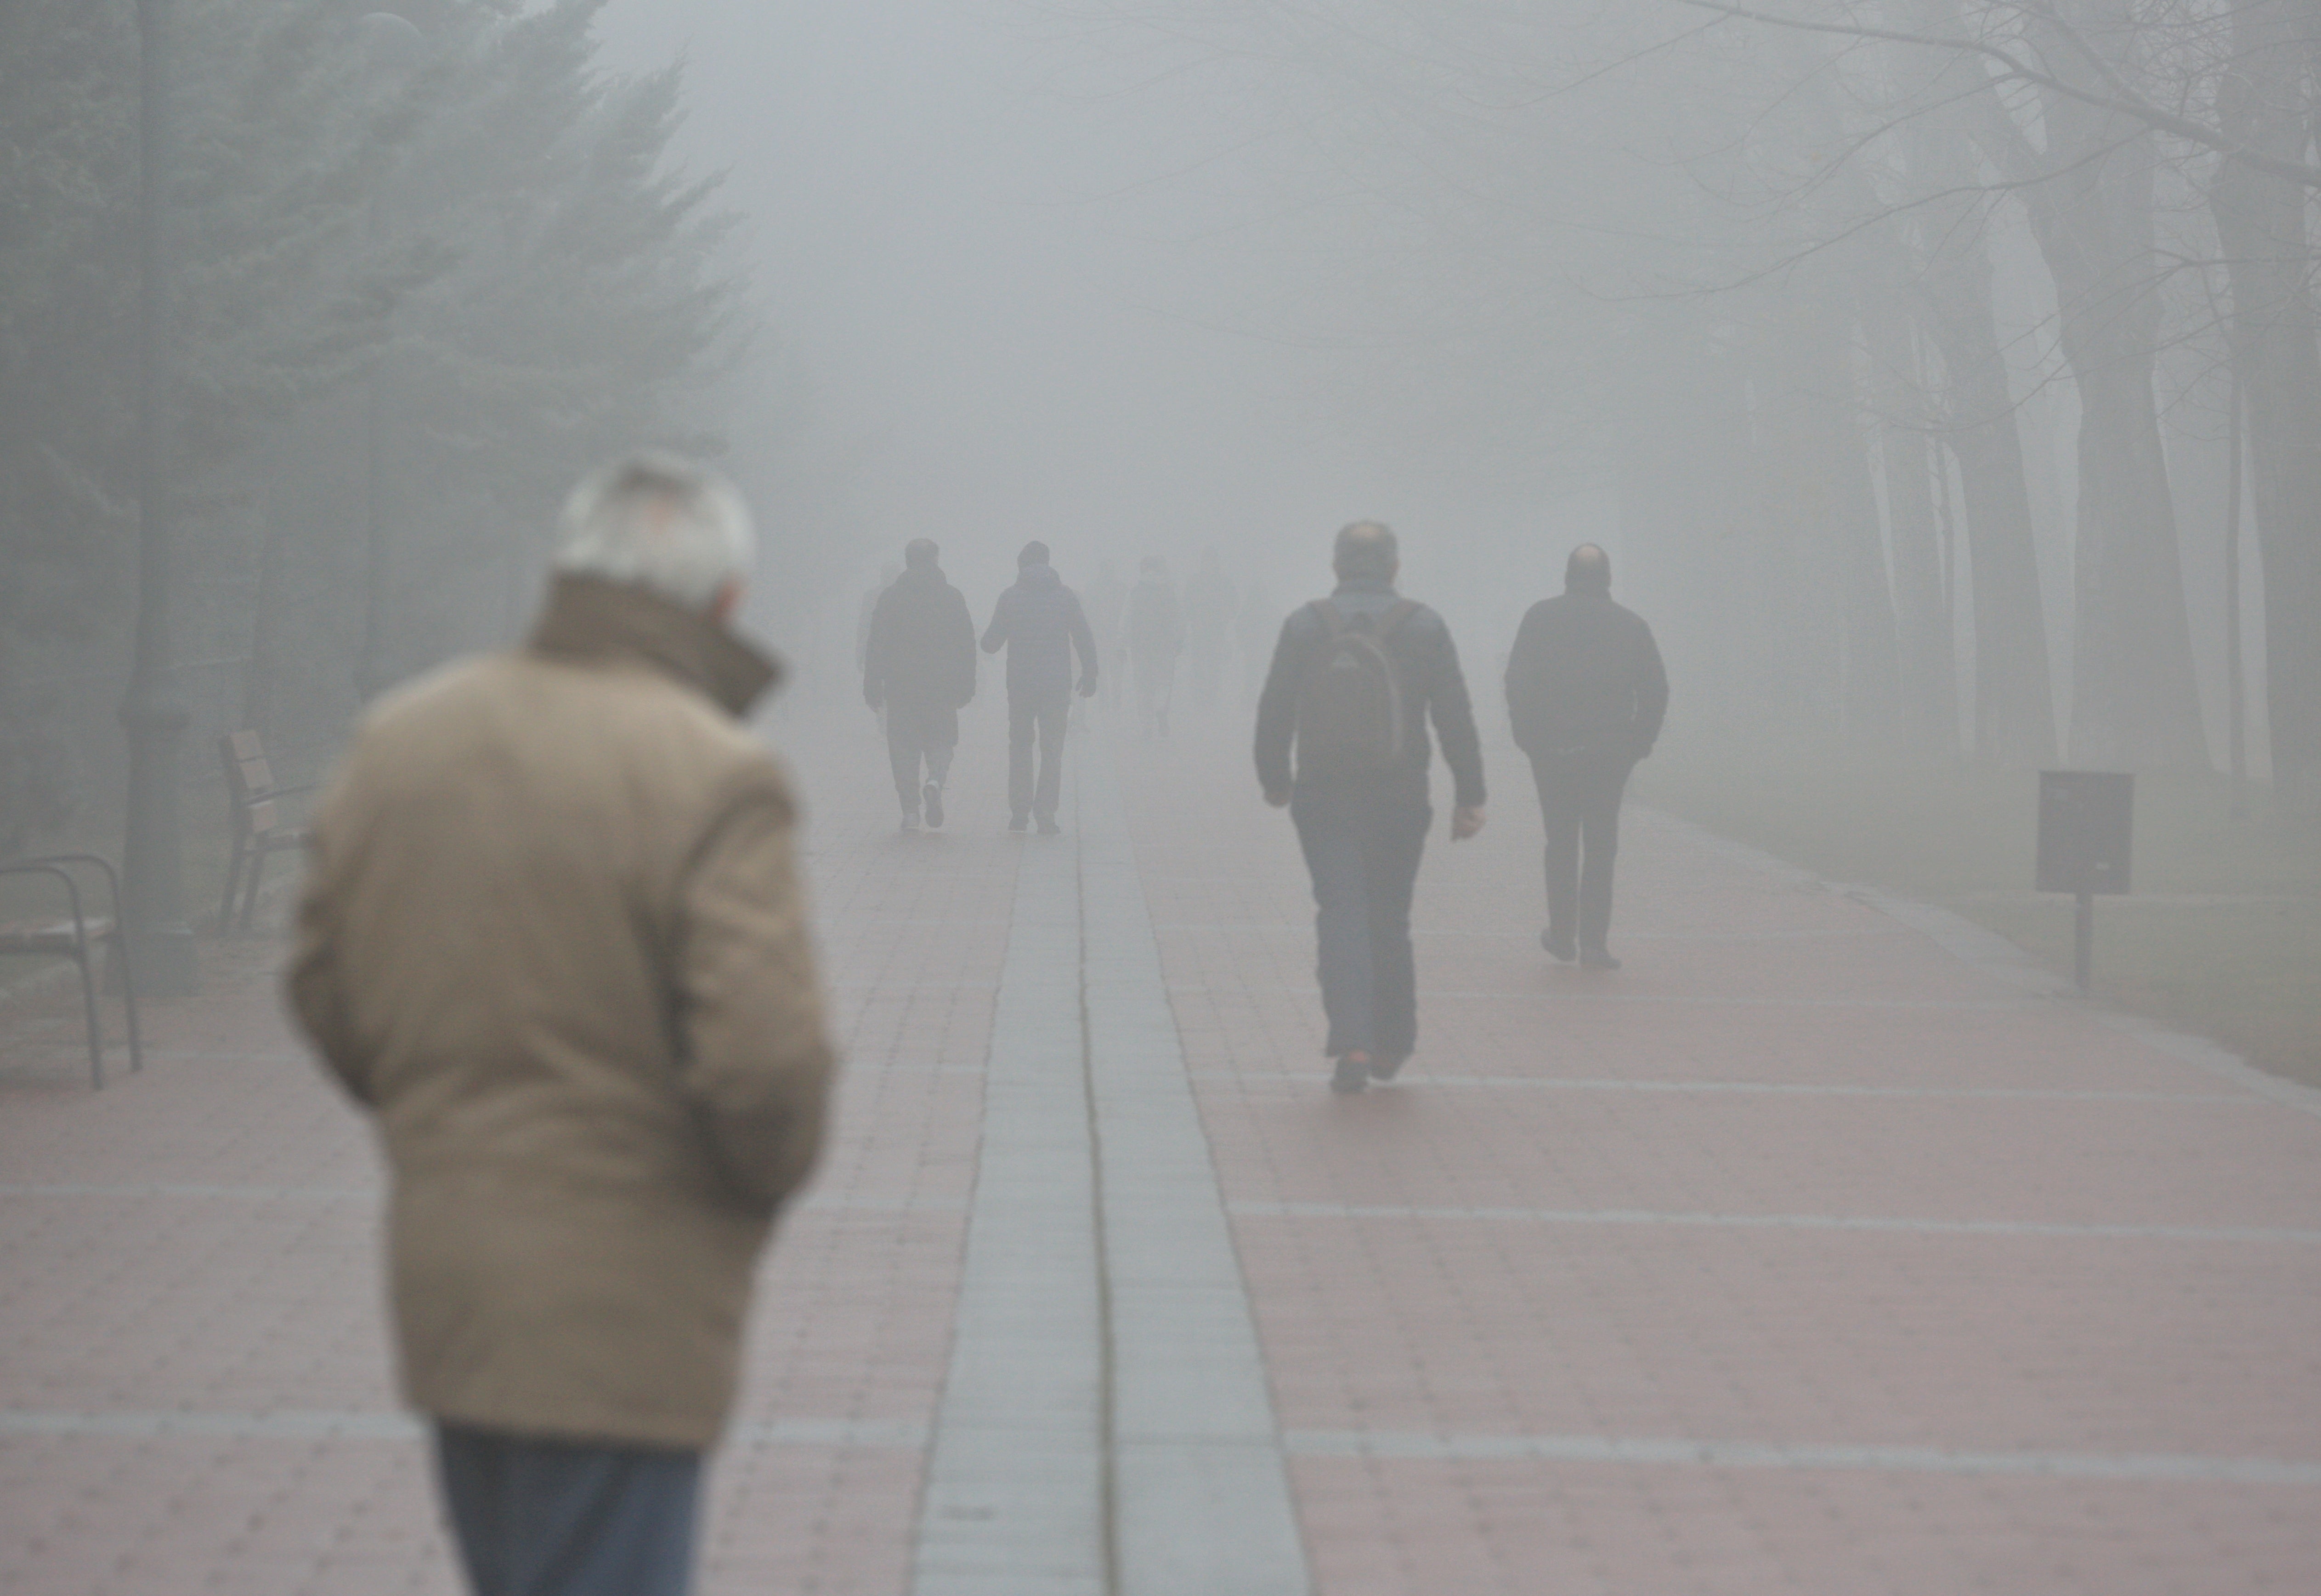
1353 717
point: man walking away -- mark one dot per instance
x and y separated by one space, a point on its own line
1040 623
552 939
1355 678
1156 636
1209 610
921 667
1586 693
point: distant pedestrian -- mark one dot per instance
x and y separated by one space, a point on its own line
1587 694
552 939
868 607
1041 624
1210 605
920 666
1106 604
1356 677
1156 637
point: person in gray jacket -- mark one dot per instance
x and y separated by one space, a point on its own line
1586 693
1040 623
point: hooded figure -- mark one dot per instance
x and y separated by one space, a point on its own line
1041 624
920 667
1586 693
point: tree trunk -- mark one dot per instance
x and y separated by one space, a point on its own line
2261 222
2014 692
2135 700
1926 666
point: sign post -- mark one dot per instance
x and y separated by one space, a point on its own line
2085 829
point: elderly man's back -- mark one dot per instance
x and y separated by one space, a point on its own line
554 938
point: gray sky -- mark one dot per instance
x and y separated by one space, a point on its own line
1023 294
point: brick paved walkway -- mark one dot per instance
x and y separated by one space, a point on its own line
1804 1254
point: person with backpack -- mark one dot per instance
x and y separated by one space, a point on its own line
1585 694
1355 679
920 667
1040 623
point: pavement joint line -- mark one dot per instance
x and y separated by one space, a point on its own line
1196 1439
1303 928
321 1424
1014 1495
1752 1088
1776 1221
1694 999
1414 1447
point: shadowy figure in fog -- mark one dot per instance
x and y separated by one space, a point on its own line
552 939
920 666
1209 608
1106 604
1355 678
1586 693
1156 637
1258 624
1041 623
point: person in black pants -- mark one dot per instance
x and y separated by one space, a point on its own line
919 665
1587 694
1041 624
1363 826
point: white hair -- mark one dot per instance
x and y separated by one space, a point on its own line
658 522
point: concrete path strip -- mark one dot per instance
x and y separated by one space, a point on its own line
1106 1427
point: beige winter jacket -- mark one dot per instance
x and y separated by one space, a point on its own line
554 938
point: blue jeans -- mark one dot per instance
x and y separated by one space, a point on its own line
1362 850
542 1517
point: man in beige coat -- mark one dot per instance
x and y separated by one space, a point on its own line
552 938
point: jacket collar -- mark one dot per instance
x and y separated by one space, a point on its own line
589 618
1038 576
1377 586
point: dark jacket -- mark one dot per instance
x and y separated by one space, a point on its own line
922 651
1426 662
1038 621
1585 677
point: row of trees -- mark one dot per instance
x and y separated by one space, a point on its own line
1827 281
420 267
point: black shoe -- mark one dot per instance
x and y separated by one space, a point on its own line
1352 1075
1049 828
1559 946
1018 822
933 794
1386 1069
1596 958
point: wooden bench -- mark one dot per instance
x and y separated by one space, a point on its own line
257 828
74 939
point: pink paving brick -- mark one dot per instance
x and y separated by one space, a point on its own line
203 1240
1471 1296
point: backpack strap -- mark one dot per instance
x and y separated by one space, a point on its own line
1333 619
1400 610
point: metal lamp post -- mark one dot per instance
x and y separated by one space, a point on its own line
391 45
153 713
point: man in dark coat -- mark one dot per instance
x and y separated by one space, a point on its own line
920 666
1040 623
1364 831
1587 694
